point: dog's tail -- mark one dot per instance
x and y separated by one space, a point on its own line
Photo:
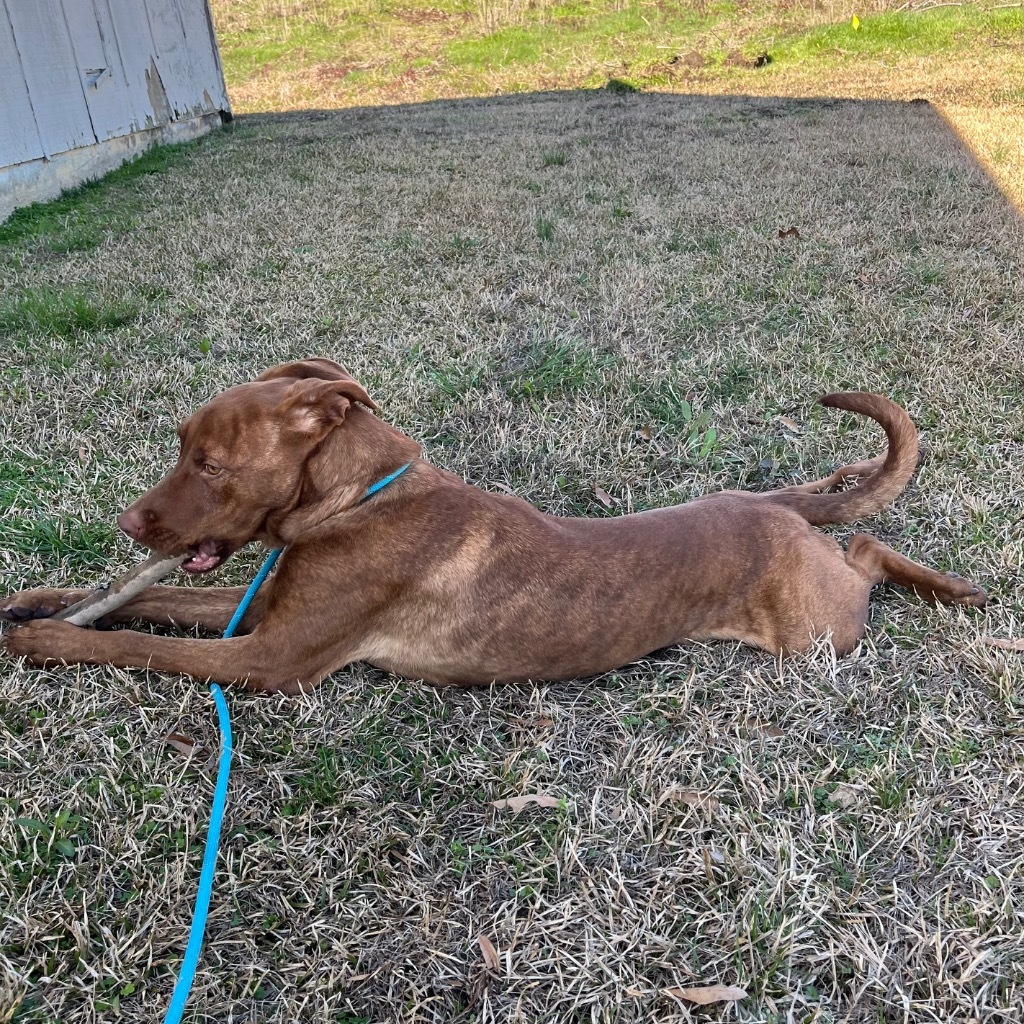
881 479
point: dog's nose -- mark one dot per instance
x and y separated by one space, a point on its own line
131 522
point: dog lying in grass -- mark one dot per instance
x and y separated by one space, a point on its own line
434 579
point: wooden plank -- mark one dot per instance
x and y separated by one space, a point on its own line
202 45
19 137
54 88
98 60
173 60
135 45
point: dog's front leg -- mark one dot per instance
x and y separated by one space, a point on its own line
208 608
263 661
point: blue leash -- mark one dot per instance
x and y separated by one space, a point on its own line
183 986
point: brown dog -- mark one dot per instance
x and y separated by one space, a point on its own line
434 579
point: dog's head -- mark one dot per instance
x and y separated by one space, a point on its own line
242 459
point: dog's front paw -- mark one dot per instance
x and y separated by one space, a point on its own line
49 640
962 591
38 604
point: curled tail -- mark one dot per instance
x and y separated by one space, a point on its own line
882 480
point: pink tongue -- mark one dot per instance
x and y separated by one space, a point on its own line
201 561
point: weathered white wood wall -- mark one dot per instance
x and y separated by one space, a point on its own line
86 84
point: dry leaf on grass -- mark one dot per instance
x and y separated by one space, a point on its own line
603 496
846 796
785 233
645 434
755 728
712 857
181 743
542 722
1005 645
704 995
690 797
517 803
503 487
490 954
791 424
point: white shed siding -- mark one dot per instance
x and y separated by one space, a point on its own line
98 58
19 136
85 84
48 64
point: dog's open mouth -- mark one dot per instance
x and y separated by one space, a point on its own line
208 556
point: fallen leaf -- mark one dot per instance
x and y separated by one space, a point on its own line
645 434
791 424
704 995
503 487
517 803
532 723
846 796
491 961
712 856
182 744
766 730
789 233
603 496
83 455
1006 645
690 797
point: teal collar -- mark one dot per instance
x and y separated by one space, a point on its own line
381 484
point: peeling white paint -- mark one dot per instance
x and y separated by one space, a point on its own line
79 75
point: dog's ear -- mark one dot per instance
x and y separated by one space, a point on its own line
315 407
316 368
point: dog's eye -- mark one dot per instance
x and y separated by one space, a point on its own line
211 470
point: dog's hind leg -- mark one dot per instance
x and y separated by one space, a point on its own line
855 471
879 563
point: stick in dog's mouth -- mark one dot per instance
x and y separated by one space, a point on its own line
121 591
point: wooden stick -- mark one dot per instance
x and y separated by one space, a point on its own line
121 591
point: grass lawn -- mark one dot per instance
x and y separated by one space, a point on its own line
557 293
966 58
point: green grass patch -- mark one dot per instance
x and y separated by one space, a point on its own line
603 31
24 475
904 32
559 368
545 229
63 312
86 544
294 41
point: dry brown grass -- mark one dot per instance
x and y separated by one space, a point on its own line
524 284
